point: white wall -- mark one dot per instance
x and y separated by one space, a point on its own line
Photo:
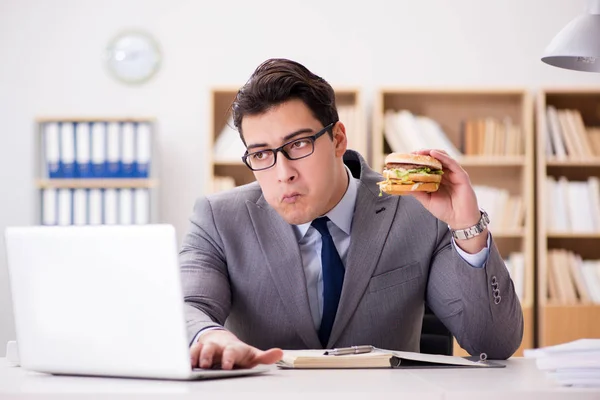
51 64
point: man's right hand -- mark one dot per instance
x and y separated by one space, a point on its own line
221 346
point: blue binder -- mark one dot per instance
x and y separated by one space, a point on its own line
83 162
67 150
113 150
128 165
143 147
51 149
98 148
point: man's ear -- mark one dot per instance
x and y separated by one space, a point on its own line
339 139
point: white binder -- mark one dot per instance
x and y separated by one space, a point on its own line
126 206
111 207
67 149
49 206
113 150
98 149
128 151
80 213
143 150
142 206
95 207
52 149
65 206
82 150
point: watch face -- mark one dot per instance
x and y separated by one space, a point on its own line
133 57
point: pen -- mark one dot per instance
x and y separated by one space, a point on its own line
349 350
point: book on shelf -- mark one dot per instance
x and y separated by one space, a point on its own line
572 206
228 147
349 115
515 263
491 136
506 211
222 183
406 132
377 358
567 137
572 280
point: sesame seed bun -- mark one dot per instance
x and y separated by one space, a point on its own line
416 159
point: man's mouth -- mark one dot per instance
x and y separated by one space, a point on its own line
290 197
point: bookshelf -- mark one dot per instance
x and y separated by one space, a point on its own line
225 168
490 132
78 184
568 220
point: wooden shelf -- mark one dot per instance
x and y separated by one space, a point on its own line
96 183
492 161
517 233
590 162
43 120
563 322
229 164
573 235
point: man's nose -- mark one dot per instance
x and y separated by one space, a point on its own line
285 169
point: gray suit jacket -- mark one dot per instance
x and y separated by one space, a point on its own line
241 268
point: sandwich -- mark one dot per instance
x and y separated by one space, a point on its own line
406 173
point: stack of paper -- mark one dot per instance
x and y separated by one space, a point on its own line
575 363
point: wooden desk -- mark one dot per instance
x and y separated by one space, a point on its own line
519 380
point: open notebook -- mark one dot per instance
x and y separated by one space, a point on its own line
379 358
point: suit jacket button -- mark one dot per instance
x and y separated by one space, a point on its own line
497 299
494 280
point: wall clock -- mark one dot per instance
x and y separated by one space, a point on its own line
133 57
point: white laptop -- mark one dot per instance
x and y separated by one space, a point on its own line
101 300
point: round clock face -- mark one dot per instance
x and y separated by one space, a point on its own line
133 57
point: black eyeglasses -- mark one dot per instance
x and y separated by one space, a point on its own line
293 150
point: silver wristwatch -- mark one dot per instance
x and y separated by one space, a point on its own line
474 230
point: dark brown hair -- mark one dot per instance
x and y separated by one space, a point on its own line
278 80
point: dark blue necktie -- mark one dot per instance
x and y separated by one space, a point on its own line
333 277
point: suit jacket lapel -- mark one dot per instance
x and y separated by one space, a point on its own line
371 224
280 248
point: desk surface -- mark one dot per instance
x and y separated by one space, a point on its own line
519 380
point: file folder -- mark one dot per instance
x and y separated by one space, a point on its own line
83 164
67 150
113 153
111 207
80 203
125 206
51 148
142 206
143 150
49 206
95 207
65 207
98 149
129 168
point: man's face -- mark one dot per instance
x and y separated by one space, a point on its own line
299 190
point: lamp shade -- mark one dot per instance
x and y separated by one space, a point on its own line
577 45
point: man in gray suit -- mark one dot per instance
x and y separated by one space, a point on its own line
262 268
